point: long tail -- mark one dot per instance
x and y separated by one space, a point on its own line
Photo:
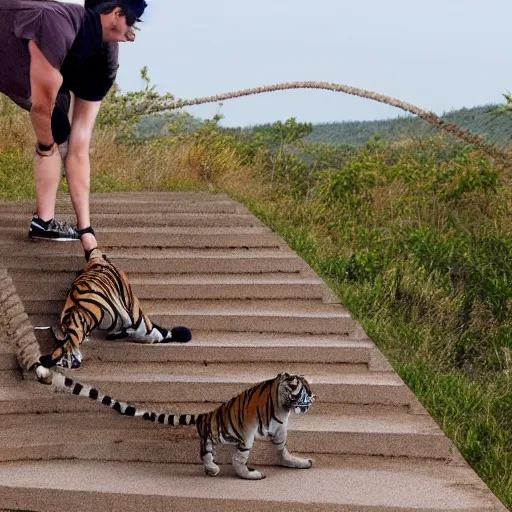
79 389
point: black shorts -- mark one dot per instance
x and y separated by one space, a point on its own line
89 80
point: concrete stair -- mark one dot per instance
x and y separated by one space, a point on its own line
188 287
183 382
177 219
260 316
87 435
364 485
163 261
255 309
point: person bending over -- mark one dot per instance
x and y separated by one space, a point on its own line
49 50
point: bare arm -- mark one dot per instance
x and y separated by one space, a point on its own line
45 82
78 166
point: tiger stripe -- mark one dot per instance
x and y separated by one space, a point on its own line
102 297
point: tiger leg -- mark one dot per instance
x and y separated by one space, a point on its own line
68 338
210 468
148 332
240 461
285 459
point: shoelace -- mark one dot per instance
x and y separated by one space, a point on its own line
63 227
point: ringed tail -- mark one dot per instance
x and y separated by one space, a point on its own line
76 388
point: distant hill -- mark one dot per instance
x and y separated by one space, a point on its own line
496 129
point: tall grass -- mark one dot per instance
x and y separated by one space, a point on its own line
414 237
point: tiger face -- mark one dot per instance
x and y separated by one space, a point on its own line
295 393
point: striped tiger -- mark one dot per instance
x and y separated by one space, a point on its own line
101 297
260 411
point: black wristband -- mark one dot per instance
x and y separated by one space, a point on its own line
85 231
44 148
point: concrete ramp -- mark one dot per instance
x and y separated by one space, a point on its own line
255 308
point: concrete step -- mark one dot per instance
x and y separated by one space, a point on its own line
108 436
199 370
29 397
153 196
355 484
228 347
162 286
18 396
218 382
311 317
210 347
132 220
182 237
64 209
69 257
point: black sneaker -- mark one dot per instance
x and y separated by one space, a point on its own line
52 230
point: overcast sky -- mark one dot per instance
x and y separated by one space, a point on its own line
438 55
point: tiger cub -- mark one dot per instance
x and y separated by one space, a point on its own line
101 297
260 411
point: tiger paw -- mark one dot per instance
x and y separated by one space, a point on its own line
44 375
253 474
212 469
296 462
308 463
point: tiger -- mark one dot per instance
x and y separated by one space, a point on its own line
101 297
258 412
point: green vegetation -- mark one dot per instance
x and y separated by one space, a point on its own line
414 236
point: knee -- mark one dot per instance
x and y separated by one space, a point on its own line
77 155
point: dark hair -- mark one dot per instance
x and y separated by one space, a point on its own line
132 9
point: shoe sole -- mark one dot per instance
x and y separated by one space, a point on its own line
47 239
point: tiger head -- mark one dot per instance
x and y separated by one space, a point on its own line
295 393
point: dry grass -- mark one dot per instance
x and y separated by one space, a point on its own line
15 128
162 164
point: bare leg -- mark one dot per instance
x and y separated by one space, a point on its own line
63 148
78 166
47 168
47 179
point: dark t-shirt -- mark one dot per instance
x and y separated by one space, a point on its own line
51 25
60 30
